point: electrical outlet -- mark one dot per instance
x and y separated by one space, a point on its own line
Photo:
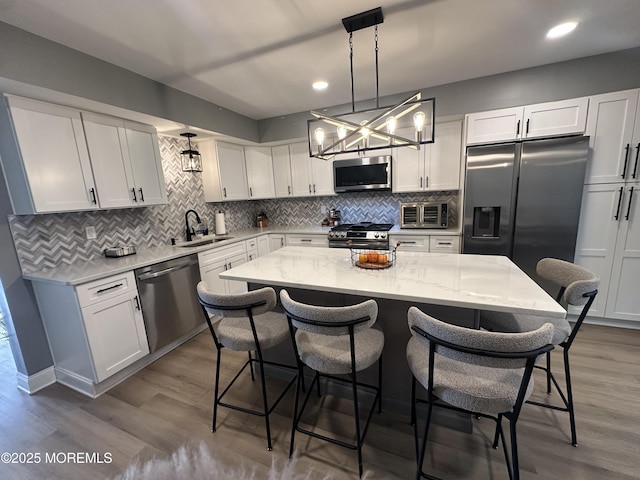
323 211
91 232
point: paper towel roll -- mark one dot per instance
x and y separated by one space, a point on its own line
221 229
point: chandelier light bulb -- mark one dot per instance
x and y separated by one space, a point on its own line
391 125
419 120
319 132
342 132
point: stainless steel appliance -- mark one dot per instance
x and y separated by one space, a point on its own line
523 200
170 304
360 235
424 215
358 174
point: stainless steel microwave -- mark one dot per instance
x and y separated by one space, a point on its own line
424 215
362 174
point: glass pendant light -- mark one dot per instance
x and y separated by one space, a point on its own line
191 159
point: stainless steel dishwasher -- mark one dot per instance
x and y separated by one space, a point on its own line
170 305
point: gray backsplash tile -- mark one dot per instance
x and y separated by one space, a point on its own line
47 241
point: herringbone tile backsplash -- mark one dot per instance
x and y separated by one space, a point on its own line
48 241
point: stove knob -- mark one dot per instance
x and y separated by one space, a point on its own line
376 235
383 235
343 234
331 234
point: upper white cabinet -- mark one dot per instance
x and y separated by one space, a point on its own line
532 121
310 176
282 171
435 166
126 162
45 158
232 170
613 127
259 172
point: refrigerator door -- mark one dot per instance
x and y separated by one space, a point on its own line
548 203
489 199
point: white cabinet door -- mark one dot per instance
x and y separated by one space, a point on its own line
597 234
309 240
210 275
623 301
234 286
146 163
411 243
494 126
259 172
116 334
300 170
322 176
56 173
408 164
276 241
282 171
107 144
610 128
444 158
555 118
263 245
233 174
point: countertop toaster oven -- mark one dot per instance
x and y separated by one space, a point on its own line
424 215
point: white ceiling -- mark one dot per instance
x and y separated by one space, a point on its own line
259 57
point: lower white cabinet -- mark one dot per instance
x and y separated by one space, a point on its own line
276 241
308 240
94 329
427 243
263 245
217 260
608 244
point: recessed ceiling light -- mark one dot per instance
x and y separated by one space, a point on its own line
320 85
562 29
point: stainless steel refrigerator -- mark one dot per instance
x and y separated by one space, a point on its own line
523 200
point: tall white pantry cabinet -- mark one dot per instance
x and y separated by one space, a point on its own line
609 233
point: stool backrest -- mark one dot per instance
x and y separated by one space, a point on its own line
329 320
575 280
236 304
482 341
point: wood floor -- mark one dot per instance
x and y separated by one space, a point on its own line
168 404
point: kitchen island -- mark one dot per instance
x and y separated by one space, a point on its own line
451 287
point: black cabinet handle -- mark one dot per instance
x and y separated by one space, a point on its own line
626 159
420 182
619 203
289 186
93 196
635 166
141 195
224 190
518 128
314 188
309 188
102 290
527 128
626 217
137 303
133 190
250 192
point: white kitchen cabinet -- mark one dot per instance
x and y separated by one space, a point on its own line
276 241
549 119
283 186
444 243
310 176
613 126
219 259
435 166
257 247
263 245
307 240
411 243
259 165
608 244
126 162
94 329
44 158
427 243
232 171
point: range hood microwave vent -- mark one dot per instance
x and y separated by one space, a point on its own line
362 174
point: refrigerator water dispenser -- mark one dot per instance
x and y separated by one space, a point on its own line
486 222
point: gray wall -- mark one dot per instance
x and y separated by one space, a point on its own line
575 78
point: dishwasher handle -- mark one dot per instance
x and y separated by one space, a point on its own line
166 271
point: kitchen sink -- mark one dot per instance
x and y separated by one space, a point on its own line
203 241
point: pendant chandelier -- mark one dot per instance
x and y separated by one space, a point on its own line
191 159
410 123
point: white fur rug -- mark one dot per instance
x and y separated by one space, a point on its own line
197 463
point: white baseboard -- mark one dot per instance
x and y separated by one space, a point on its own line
36 382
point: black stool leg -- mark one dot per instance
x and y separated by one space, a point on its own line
496 436
356 410
572 417
424 441
380 385
548 372
264 400
294 422
215 393
514 473
253 378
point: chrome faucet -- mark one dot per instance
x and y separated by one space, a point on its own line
190 230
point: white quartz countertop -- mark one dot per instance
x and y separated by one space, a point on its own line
484 282
87 271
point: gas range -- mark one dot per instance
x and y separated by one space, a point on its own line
360 235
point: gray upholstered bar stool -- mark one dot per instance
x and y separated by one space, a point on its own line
473 371
578 287
335 341
246 323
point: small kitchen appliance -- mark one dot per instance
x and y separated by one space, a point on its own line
360 235
424 215
335 217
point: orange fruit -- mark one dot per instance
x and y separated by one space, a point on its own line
382 258
362 258
373 257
